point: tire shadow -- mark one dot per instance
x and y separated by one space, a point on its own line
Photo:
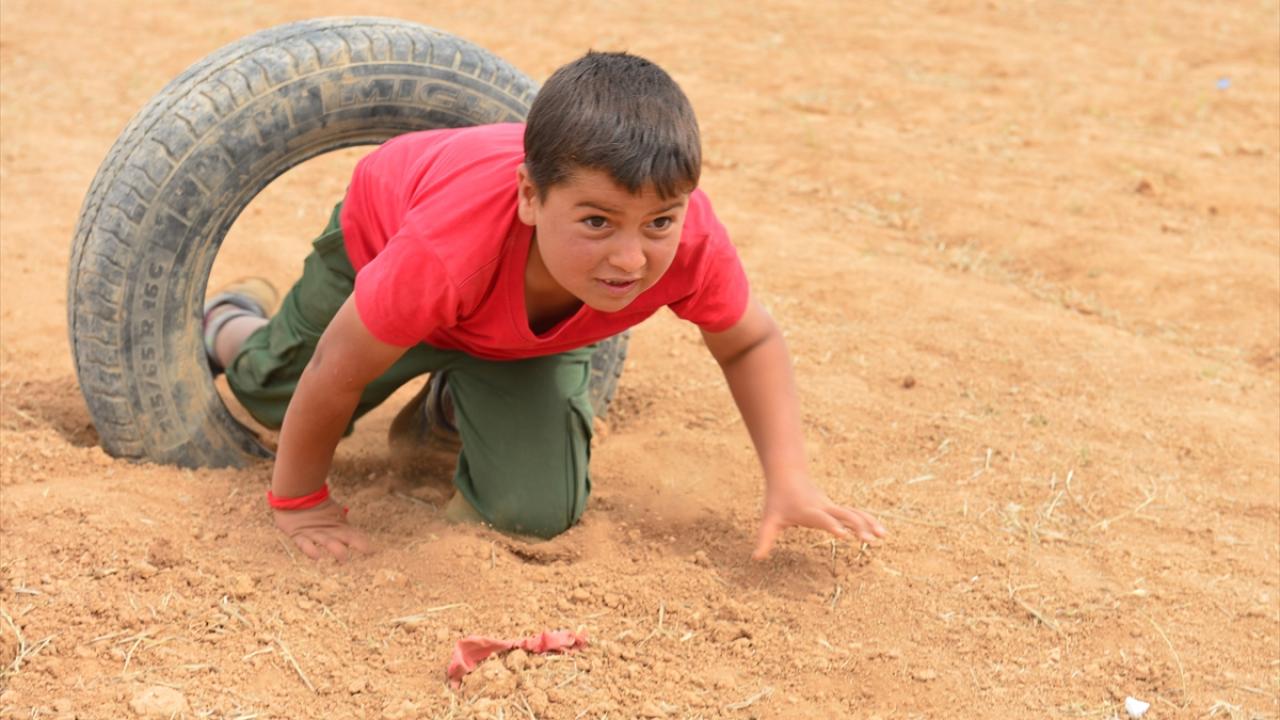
54 403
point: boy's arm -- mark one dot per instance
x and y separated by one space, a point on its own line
757 367
347 358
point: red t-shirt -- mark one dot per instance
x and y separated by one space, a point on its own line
431 229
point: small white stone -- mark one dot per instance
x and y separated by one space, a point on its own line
1135 707
159 701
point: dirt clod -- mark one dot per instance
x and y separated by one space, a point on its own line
400 710
652 709
162 553
517 660
241 586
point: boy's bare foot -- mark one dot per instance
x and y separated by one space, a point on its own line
232 313
458 510
429 413
422 435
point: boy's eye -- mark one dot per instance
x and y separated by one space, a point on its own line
662 223
595 222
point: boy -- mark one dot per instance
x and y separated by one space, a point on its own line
493 257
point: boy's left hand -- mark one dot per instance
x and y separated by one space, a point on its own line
804 505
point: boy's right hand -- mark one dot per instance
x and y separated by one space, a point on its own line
321 530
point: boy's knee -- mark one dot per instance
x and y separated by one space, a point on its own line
545 521
525 451
528 493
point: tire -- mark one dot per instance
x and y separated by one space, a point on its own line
606 368
192 159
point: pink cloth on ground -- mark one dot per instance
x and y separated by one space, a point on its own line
472 650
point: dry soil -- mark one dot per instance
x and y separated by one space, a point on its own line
1027 255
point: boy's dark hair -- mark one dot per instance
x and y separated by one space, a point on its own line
617 113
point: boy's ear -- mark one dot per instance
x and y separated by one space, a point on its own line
527 196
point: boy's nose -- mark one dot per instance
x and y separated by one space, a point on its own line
628 255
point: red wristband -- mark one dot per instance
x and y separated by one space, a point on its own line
299 503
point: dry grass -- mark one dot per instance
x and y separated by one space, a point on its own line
421 617
25 650
288 656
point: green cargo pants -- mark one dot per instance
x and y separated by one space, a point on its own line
525 425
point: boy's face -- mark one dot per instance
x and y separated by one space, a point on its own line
599 242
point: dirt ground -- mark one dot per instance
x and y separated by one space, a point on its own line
1027 255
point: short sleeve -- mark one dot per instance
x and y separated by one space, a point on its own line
720 288
405 293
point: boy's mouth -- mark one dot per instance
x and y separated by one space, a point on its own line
618 288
